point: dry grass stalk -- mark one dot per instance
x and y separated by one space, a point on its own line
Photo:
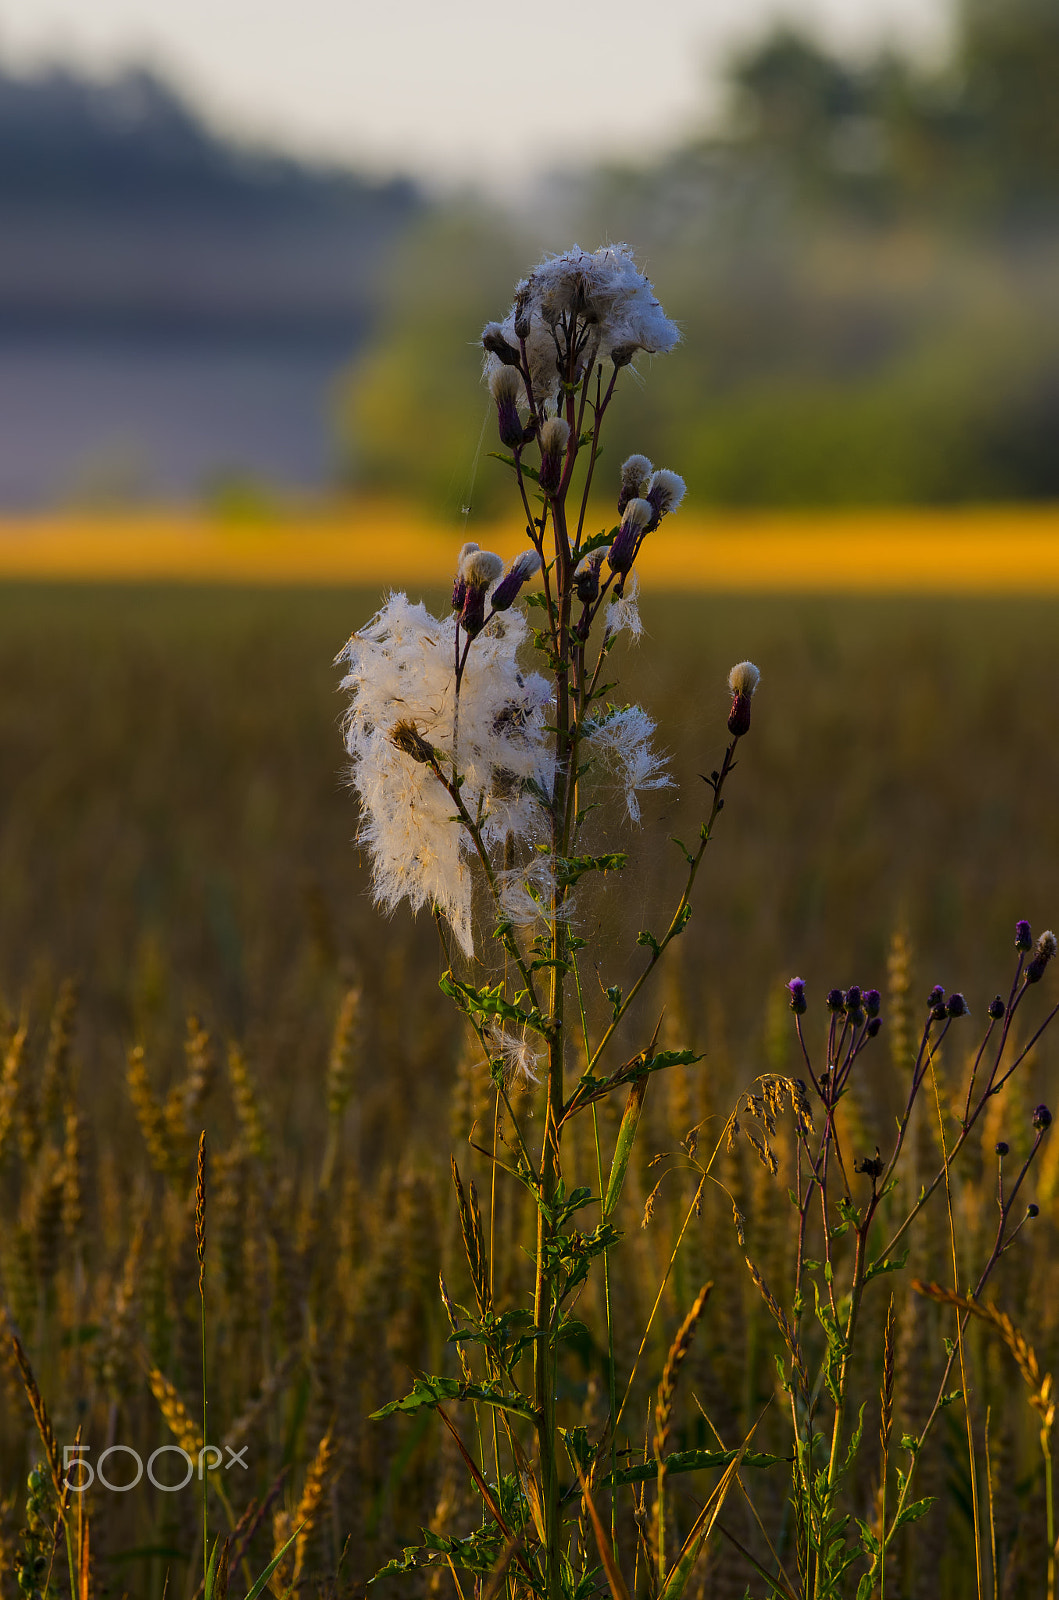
9 1079
148 1111
247 1109
886 1417
340 1061
1042 1394
178 1418
53 1073
779 1317
473 1240
200 1210
40 1415
671 1371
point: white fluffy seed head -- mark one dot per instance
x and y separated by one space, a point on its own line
526 564
480 568
505 384
635 471
744 678
555 436
602 289
668 488
639 513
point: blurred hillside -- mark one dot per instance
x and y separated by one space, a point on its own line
864 258
172 305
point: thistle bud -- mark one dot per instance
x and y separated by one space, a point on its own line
555 436
798 1000
635 474
523 567
1042 1118
586 578
853 997
957 1006
459 587
874 1025
665 491
996 1008
1023 936
504 386
622 354
1002 1148
1033 1210
1042 954
622 552
835 1000
743 681
936 997
872 1000
522 313
494 341
478 569
939 1013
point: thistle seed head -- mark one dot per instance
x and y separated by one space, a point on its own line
496 345
505 385
523 567
1043 952
586 577
634 523
555 436
665 491
957 1006
743 681
635 475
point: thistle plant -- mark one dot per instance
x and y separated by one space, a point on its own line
480 780
485 749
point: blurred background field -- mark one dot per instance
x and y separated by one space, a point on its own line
175 843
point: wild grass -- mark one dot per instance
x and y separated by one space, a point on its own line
186 943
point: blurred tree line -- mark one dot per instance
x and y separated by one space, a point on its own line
864 258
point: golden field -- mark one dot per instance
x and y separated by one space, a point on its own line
1013 549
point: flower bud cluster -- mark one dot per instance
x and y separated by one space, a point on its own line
644 498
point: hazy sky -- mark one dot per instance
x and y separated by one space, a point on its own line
449 89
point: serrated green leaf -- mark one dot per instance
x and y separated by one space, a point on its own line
433 1391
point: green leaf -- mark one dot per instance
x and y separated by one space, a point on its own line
259 1586
623 1148
489 1002
887 1264
432 1391
568 869
689 1461
913 1512
649 940
216 1585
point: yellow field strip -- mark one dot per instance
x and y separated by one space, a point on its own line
379 544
